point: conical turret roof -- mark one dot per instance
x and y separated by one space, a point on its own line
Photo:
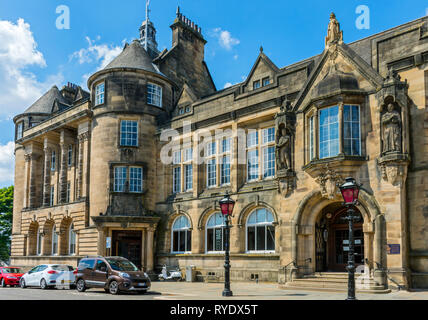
45 103
134 56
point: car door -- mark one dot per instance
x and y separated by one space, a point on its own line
37 276
100 273
29 278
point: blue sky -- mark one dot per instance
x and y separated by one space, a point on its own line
34 54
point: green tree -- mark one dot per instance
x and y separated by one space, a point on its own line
6 209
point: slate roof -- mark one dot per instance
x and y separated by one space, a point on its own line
134 56
46 102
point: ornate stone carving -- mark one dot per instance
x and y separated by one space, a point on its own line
329 181
284 149
334 34
393 107
391 130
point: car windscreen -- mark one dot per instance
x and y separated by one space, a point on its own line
122 265
11 270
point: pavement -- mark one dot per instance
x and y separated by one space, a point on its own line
202 291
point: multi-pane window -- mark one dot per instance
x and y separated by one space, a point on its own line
53 160
54 241
225 170
176 157
225 145
129 133
266 81
99 94
71 240
120 178
215 233
268 162
51 199
188 178
176 185
211 172
188 155
154 94
20 130
211 149
260 231
70 155
268 140
351 130
329 132
135 179
181 235
252 155
256 84
311 138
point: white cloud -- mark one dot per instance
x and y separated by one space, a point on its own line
18 50
7 160
100 54
227 85
225 38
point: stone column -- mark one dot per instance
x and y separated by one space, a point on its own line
149 246
80 167
379 268
341 141
33 201
47 177
143 250
234 165
63 174
26 201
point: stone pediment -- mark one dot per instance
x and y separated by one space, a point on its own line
339 70
187 96
262 68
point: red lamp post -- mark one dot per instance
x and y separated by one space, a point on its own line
350 190
226 206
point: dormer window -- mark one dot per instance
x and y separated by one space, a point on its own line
99 94
256 84
266 81
154 95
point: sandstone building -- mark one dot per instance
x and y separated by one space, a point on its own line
95 174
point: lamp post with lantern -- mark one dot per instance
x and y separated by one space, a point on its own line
350 190
226 206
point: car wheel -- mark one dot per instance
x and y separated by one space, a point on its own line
22 284
80 285
113 287
3 283
43 284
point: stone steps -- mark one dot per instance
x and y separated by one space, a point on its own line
332 282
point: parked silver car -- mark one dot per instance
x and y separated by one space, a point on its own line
49 275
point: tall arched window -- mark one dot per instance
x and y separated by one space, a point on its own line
39 243
181 235
260 231
71 240
54 241
215 233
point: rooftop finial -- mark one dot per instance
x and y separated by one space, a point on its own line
334 34
178 11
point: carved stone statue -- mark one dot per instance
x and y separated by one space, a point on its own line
283 150
333 32
391 130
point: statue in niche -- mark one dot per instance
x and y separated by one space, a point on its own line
283 149
391 130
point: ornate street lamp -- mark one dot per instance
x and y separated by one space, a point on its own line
350 190
226 206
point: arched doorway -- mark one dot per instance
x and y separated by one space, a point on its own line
332 239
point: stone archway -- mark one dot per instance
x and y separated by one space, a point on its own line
304 227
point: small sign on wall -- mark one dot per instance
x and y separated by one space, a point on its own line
393 249
108 242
